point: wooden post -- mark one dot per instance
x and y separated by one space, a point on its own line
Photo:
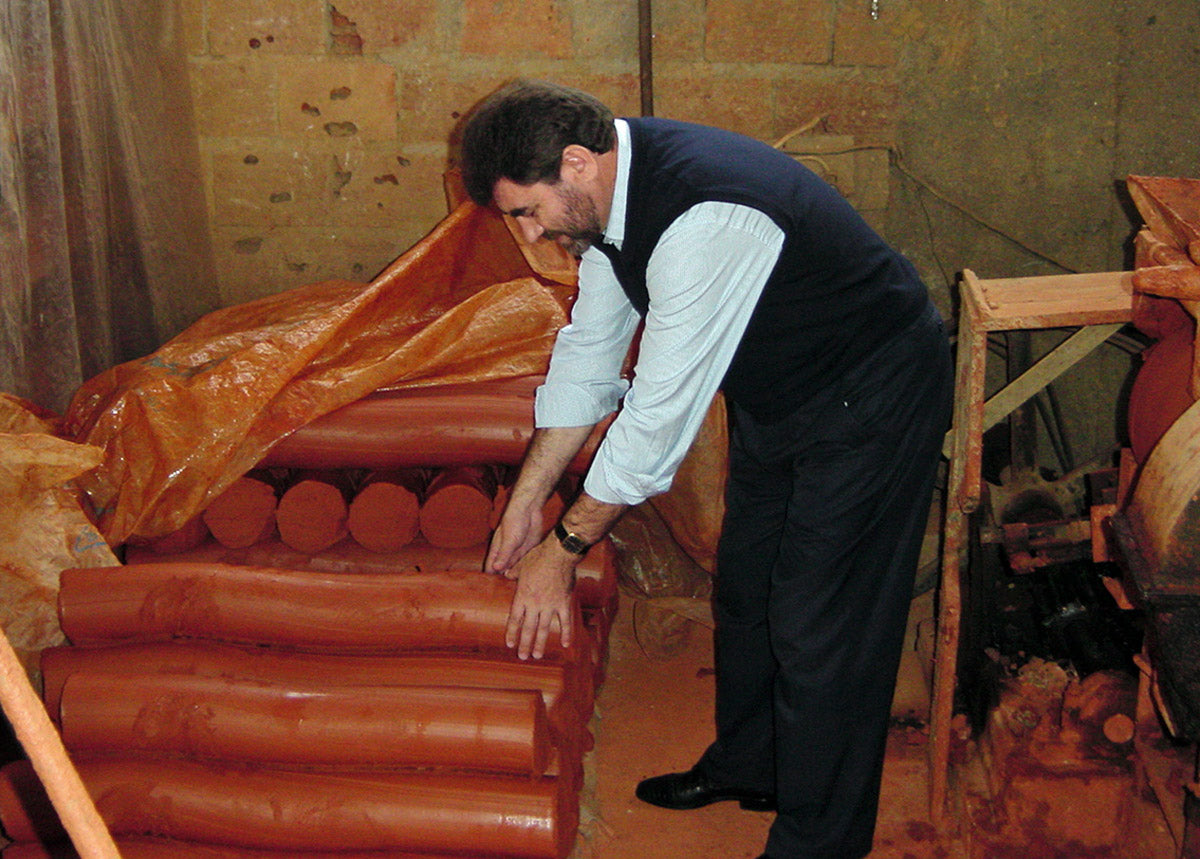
49 758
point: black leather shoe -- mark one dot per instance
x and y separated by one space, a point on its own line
692 789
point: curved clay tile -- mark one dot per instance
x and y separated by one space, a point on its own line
425 428
312 513
193 533
208 718
565 690
244 514
457 509
290 810
296 608
384 515
164 848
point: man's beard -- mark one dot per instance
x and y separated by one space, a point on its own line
581 225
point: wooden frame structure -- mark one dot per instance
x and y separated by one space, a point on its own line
1098 304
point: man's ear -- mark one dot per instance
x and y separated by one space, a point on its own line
578 162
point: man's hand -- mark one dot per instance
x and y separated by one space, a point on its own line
545 577
520 529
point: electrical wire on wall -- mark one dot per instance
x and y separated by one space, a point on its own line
1046 401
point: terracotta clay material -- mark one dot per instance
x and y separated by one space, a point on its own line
244 513
457 510
25 810
596 576
312 513
384 515
283 810
1160 392
345 612
552 510
163 848
499 502
193 534
430 427
565 691
492 730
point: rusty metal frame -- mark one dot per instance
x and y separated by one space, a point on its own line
1097 303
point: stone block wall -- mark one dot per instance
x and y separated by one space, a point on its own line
325 127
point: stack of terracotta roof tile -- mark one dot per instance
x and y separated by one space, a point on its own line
256 696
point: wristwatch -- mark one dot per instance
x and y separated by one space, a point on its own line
573 543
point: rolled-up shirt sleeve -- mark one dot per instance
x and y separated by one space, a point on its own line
584 384
704 278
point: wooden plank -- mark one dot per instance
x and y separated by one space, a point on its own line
1056 362
945 662
1052 301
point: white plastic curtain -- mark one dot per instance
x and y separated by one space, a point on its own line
104 249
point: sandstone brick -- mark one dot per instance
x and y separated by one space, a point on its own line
516 28
607 31
329 100
621 92
861 175
433 101
872 170
775 31
678 30
195 37
256 186
252 263
387 187
389 24
234 98
737 104
860 40
238 27
372 186
847 102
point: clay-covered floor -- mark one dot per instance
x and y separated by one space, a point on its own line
654 715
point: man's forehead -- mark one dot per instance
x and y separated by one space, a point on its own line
514 199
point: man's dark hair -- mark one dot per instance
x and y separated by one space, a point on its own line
519 133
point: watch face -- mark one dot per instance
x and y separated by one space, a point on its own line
573 544
569 541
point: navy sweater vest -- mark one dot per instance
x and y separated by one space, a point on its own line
836 293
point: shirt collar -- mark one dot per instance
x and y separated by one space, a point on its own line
614 231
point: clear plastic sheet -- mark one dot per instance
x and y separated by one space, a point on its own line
180 425
650 562
104 248
43 529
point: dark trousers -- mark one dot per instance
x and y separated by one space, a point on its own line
825 514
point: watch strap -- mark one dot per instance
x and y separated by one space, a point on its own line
573 543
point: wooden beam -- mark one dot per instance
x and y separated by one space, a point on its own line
1052 365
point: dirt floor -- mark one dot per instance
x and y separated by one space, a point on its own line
655 714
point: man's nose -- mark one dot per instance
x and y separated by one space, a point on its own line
531 229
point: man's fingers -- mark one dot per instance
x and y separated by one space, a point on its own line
516 617
529 630
533 621
565 622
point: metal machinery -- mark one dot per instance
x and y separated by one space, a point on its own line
1148 523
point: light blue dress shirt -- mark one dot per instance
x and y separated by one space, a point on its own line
704 279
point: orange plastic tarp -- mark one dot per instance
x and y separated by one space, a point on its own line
467 303
179 426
